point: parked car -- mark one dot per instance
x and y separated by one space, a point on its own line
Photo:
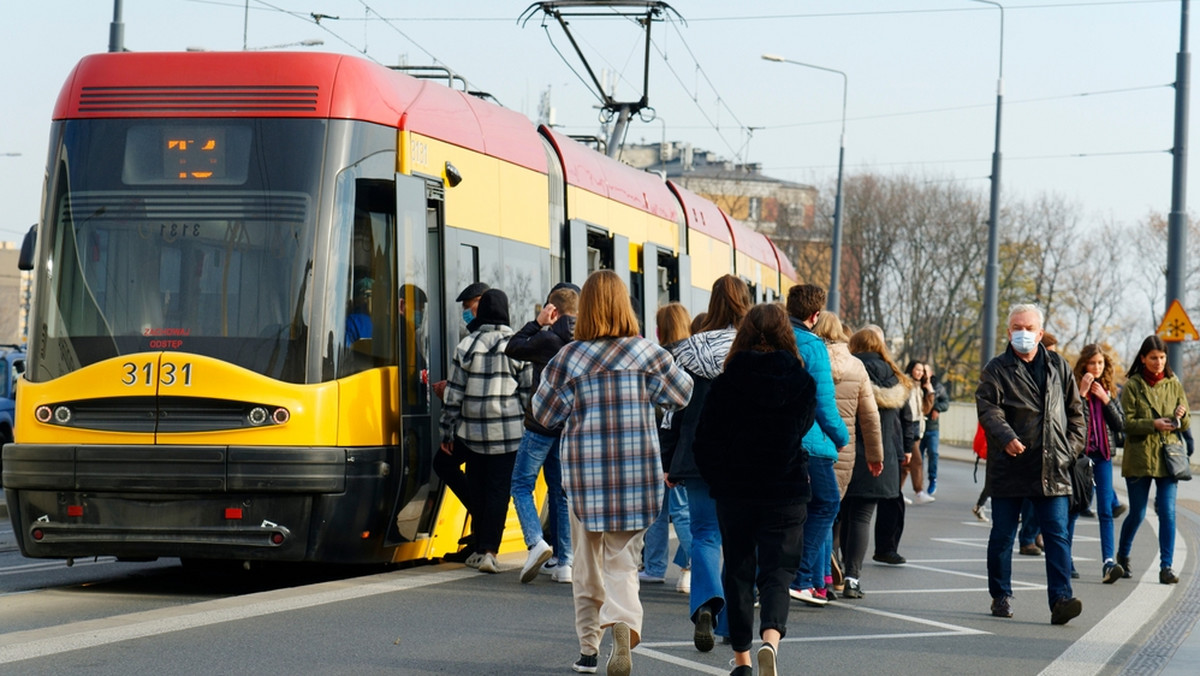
12 367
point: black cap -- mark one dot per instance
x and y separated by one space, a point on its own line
493 309
565 285
473 290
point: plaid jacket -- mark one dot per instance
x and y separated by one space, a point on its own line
603 393
486 393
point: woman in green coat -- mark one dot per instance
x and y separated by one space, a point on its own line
1155 409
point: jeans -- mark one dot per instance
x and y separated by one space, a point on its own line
929 450
706 555
1104 503
1051 514
1029 525
1164 506
654 556
762 543
818 531
540 452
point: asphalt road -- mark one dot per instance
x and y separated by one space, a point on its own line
929 616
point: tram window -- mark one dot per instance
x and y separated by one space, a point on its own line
371 302
599 251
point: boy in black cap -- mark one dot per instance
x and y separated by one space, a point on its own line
483 414
470 302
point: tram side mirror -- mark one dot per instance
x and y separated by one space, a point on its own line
25 262
453 177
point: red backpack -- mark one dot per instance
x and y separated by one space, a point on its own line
980 448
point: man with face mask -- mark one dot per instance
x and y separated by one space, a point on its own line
1029 407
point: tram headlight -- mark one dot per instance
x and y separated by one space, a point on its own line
43 413
257 416
62 415
280 416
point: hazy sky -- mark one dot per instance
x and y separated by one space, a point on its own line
1088 106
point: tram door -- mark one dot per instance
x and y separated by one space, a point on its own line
419 208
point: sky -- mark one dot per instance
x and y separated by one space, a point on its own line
1088 106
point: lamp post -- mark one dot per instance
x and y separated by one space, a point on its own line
991 290
835 267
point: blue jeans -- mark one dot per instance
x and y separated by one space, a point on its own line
654 556
818 531
540 452
929 451
1164 506
1105 500
1029 524
1051 514
707 589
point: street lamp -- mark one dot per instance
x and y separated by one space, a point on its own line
991 291
835 268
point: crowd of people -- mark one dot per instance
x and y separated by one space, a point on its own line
776 442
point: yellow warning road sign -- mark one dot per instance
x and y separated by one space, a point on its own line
1176 326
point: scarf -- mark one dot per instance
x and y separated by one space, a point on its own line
1153 378
1097 432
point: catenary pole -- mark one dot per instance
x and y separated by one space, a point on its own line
1177 219
991 293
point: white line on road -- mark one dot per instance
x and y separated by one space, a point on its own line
42 642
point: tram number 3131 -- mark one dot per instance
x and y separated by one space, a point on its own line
169 374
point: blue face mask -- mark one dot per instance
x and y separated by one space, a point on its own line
1024 342
418 317
468 316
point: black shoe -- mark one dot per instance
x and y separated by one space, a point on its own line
1167 576
1031 550
892 558
1113 572
1001 607
744 670
1065 610
586 664
851 590
1074 573
1089 513
1123 562
459 556
703 636
1119 510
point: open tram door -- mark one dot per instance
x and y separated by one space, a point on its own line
419 219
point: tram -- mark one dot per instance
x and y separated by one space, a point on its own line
210 220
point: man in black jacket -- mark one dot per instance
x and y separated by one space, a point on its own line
1031 413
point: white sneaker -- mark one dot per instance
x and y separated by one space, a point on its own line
924 498
647 578
538 554
907 500
562 573
489 564
684 585
548 567
474 560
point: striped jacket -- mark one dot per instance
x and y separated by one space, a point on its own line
603 393
486 393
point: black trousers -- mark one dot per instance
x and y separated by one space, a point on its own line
889 525
762 537
489 478
855 523
448 467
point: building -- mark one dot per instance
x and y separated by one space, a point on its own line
13 288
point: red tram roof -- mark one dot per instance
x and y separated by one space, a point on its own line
293 84
702 215
785 266
752 243
591 171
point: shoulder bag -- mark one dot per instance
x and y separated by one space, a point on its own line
1175 457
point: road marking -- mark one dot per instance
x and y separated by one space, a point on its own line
54 565
42 642
1093 651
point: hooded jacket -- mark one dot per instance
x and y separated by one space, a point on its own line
1050 424
538 345
829 433
1143 444
702 356
895 426
748 443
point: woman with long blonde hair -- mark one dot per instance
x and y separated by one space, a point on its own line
612 472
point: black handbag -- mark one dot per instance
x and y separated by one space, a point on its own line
1083 480
1179 466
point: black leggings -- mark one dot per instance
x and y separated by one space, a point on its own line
856 532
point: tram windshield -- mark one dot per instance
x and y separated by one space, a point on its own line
188 235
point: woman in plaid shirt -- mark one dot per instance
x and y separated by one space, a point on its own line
602 390
483 410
